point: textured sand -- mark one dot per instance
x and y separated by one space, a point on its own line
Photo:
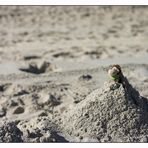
53 57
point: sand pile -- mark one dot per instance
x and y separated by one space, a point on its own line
109 114
38 129
9 132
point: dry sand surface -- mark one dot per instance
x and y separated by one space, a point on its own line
53 73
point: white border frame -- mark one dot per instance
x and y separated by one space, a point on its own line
73 2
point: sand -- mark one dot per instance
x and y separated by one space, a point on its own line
53 70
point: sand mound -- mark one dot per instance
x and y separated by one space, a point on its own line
10 133
110 114
40 129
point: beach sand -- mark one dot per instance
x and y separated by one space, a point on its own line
53 58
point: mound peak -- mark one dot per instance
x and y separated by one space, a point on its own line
110 114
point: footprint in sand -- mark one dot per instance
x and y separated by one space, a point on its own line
3 87
19 110
86 77
49 100
63 55
93 54
16 90
31 57
38 68
2 111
